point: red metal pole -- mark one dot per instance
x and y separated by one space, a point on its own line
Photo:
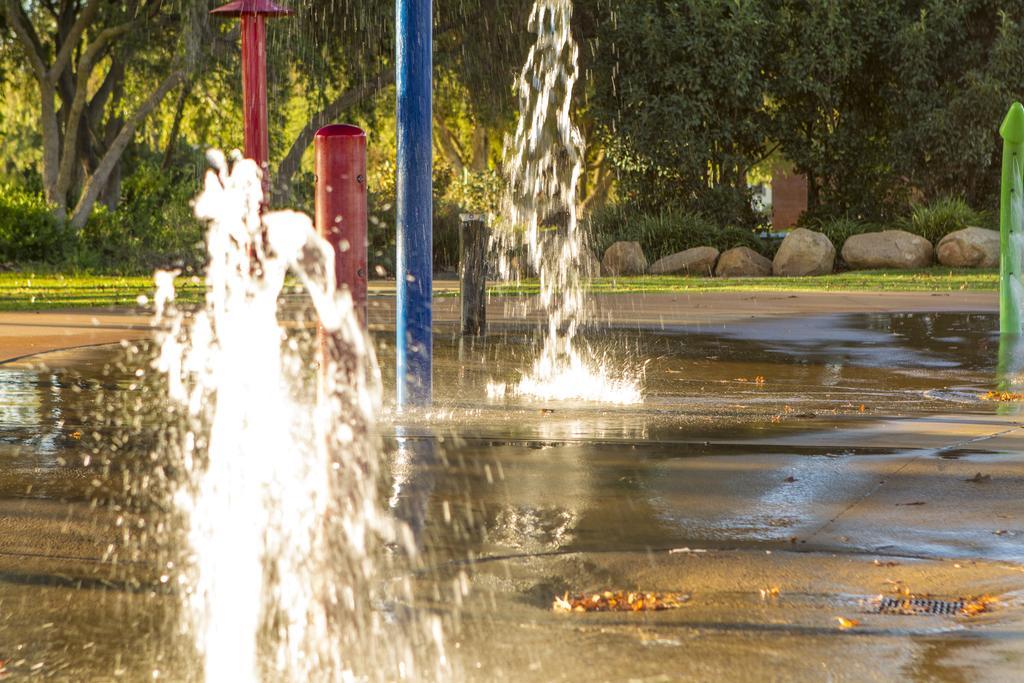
254 94
253 14
341 205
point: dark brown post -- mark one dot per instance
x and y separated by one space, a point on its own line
473 237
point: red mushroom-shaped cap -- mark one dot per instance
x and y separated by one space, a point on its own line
237 8
341 130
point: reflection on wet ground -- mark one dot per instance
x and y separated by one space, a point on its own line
823 456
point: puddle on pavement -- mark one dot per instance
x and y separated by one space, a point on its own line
798 481
727 629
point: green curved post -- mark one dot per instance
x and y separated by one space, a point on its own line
1012 132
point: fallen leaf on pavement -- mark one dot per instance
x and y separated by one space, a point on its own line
975 606
846 624
979 478
562 604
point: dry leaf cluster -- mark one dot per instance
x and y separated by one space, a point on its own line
975 606
1003 396
618 601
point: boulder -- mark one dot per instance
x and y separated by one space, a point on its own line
969 248
887 249
743 262
624 258
804 252
696 261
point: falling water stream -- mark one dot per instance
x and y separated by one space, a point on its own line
543 163
283 579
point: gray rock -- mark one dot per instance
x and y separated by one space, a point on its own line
804 252
969 248
887 249
743 262
624 258
696 261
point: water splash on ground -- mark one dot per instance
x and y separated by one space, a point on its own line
541 233
287 536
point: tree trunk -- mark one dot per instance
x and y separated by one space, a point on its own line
111 194
449 147
481 149
51 150
77 107
813 192
179 114
95 183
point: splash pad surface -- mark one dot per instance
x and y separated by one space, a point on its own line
717 485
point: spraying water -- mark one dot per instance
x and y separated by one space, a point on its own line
543 163
279 495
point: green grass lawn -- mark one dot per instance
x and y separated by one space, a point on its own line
27 292
30 292
936 279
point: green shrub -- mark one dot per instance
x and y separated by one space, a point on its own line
28 231
447 221
665 232
382 236
153 227
840 229
477 193
935 221
611 223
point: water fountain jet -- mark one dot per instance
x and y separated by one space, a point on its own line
544 162
280 490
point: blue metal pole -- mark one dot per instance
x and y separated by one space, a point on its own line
414 275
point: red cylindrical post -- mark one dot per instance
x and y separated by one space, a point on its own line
341 210
254 93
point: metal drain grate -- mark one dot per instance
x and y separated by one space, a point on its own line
920 606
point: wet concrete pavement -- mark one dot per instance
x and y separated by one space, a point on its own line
25 333
865 461
727 630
